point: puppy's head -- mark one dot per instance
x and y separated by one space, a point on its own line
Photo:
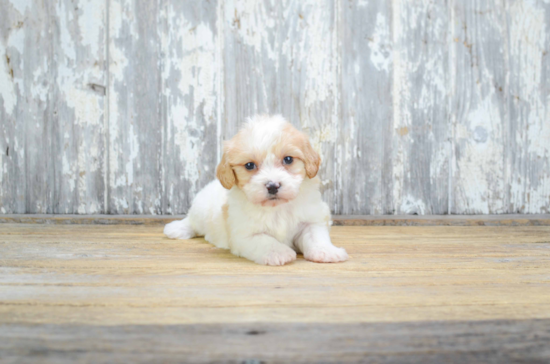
268 160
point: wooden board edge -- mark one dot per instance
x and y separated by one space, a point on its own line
338 220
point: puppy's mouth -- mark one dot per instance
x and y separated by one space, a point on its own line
274 201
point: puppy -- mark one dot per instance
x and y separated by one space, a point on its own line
265 205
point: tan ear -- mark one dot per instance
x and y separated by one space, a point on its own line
312 160
225 173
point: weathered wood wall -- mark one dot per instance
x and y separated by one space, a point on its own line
418 106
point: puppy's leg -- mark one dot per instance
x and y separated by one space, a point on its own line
314 242
180 229
263 249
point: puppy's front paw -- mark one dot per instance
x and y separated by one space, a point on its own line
279 256
327 255
180 229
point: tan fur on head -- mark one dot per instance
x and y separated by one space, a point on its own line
265 142
312 159
224 171
305 151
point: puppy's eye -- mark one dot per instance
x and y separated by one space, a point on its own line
288 160
250 166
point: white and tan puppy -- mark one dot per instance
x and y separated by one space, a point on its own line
265 205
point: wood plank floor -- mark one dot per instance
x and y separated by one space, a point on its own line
121 293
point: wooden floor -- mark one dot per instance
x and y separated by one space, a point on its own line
122 293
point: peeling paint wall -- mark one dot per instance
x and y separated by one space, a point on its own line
417 107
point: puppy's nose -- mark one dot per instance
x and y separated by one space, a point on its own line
272 187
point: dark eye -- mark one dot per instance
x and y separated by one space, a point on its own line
288 160
250 166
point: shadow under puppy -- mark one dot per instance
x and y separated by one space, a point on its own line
265 205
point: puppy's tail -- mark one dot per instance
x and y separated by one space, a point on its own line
180 229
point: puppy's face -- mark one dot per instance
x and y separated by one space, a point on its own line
268 160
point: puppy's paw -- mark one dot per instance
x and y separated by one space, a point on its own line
279 256
327 255
180 229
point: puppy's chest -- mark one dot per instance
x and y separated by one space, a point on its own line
282 226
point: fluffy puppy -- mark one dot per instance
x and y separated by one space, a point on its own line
265 205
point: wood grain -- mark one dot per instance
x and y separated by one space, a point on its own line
364 148
126 293
417 107
26 90
53 87
133 275
421 92
191 99
498 341
79 80
135 122
528 100
481 179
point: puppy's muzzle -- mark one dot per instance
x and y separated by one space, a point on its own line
272 187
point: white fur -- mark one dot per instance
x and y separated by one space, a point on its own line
264 233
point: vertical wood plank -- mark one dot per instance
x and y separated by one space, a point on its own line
135 122
529 101
283 57
79 82
191 77
26 108
480 175
420 107
12 132
365 143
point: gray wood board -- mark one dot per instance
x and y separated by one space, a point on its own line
500 341
51 71
338 220
365 181
417 107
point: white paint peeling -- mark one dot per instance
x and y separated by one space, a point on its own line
315 56
91 26
530 187
528 42
192 104
381 49
480 164
21 5
87 109
131 158
253 25
2 167
325 134
220 48
7 91
16 40
398 88
69 172
121 19
121 15
538 199
39 88
67 42
303 36
198 67
411 205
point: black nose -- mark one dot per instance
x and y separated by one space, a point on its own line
272 187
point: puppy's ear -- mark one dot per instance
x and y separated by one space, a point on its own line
312 160
224 172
